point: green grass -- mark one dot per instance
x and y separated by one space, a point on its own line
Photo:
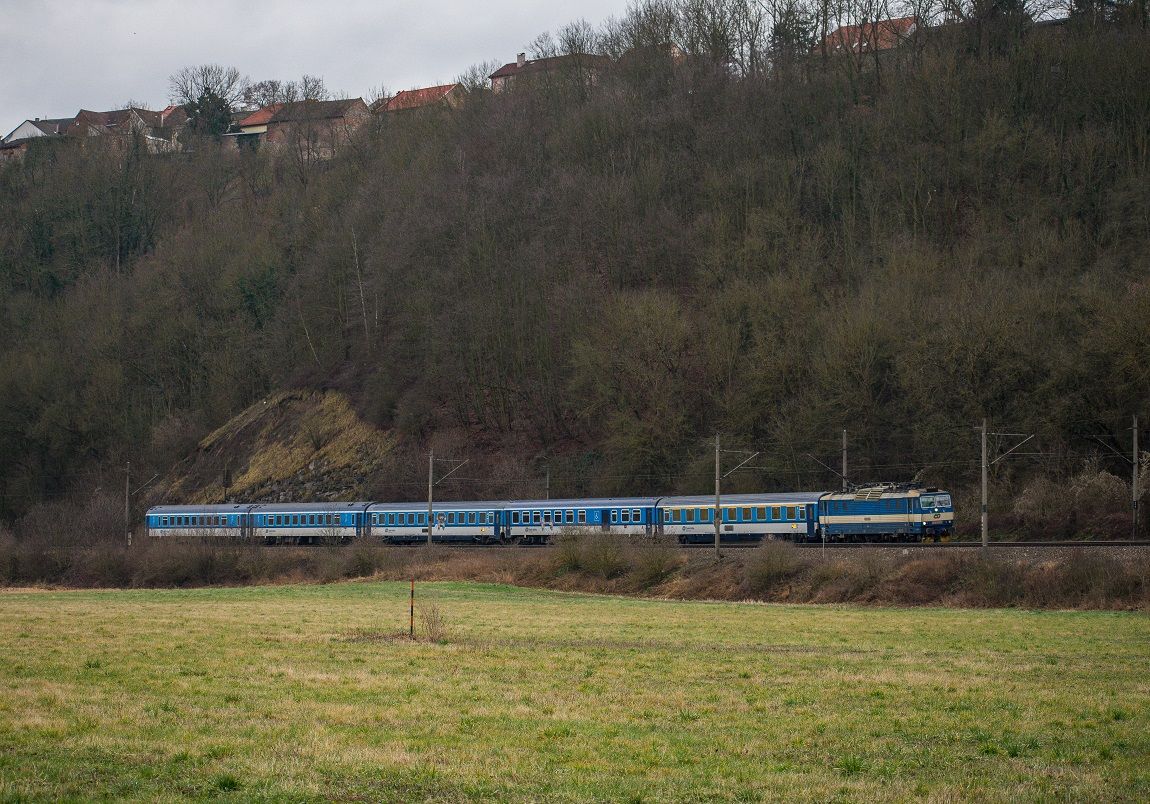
301 693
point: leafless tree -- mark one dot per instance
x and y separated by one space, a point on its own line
189 84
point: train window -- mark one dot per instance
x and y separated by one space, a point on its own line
746 514
546 517
582 517
708 514
614 516
626 517
163 521
536 518
558 517
636 515
471 518
792 513
802 513
762 514
514 517
690 515
776 513
569 517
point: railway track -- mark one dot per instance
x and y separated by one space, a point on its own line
841 545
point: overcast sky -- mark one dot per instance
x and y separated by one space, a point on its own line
58 56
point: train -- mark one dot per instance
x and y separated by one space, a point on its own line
880 513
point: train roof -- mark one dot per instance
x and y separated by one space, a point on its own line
301 508
586 502
229 508
745 499
440 505
884 492
243 508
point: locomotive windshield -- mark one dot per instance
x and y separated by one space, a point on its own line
934 501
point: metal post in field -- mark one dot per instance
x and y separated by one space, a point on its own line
1134 486
411 611
985 524
718 510
430 486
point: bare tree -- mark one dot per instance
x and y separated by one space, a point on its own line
190 84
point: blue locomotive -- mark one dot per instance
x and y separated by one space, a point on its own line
877 513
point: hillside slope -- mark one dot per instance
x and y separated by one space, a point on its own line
298 445
583 283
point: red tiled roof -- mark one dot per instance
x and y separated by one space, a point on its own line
416 98
261 117
870 36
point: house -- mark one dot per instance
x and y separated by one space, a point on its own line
869 37
253 126
315 129
585 66
48 127
11 150
450 95
158 130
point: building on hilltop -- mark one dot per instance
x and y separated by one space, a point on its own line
47 127
584 67
315 130
450 95
869 37
159 131
250 129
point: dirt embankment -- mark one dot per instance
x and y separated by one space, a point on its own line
293 445
1094 579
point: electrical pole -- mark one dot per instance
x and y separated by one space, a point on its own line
985 529
718 510
430 485
844 460
128 497
1134 485
547 488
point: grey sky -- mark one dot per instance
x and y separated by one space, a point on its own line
58 56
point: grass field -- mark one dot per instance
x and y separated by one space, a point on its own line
303 693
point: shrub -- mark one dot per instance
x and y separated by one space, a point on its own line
769 565
433 623
602 555
992 582
652 564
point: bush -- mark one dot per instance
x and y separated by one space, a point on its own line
993 582
652 564
769 565
602 555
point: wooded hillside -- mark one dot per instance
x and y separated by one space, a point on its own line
598 277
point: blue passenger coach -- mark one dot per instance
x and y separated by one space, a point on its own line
746 517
